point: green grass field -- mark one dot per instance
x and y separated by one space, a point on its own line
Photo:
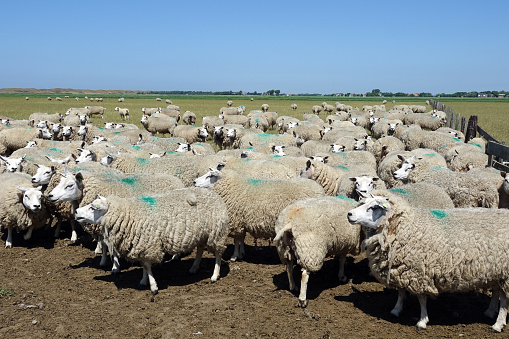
492 114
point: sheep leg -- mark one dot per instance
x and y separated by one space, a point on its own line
502 313
58 227
238 252
116 264
492 309
421 324
99 248
147 272
399 304
341 274
196 262
8 241
104 252
28 234
217 267
303 288
74 235
289 271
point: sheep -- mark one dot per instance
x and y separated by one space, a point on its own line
218 136
465 190
233 119
303 133
453 132
403 160
259 122
173 107
422 195
384 128
327 176
329 108
159 123
15 138
383 146
293 107
464 157
254 139
498 179
168 101
96 110
271 118
35 117
171 113
411 136
312 229
338 132
191 133
12 164
189 118
316 109
264 168
210 122
123 112
265 107
21 205
230 111
184 168
76 120
426 121
254 204
146 228
312 147
150 111
439 142
454 252
120 100
82 188
357 184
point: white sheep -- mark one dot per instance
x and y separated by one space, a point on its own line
171 113
265 107
159 123
293 106
310 230
96 110
12 164
191 133
21 205
254 204
35 117
171 223
150 111
454 252
189 118
82 188
123 112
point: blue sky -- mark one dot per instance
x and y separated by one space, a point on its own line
295 46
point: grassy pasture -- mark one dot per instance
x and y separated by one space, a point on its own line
492 114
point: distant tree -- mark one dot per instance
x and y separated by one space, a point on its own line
425 94
375 92
400 94
277 91
240 93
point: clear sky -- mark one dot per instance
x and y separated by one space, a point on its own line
294 46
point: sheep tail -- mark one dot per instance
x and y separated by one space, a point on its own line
279 235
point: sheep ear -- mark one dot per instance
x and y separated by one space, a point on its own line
79 177
22 189
375 178
37 165
353 179
503 174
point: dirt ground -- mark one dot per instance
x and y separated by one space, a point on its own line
54 289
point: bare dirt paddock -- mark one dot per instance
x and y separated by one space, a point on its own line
59 291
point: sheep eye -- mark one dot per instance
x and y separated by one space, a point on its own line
69 186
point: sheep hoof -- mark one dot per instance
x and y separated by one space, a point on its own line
303 303
497 328
343 279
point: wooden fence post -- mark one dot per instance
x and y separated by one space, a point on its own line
463 123
471 128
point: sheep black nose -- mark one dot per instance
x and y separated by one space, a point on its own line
349 214
37 206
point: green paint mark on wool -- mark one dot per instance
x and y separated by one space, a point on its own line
155 138
342 167
457 139
131 181
439 214
170 152
55 150
399 190
441 168
276 156
430 155
342 197
79 169
116 133
101 128
473 143
136 147
254 181
250 147
29 159
142 160
265 135
151 201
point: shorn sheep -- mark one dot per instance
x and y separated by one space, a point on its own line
455 251
123 112
254 204
310 230
145 228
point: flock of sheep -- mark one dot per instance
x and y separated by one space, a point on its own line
394 184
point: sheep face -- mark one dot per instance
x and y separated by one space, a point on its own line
155 155
70 188
31 198
31 144
66 131
407 165
370 213
109 125
183 148
363 185
85 156
392 129
92 212
202 133
231 133
360 145
82 131
337 148
83 119
12 164
208 179
505 184
43 174
42 124
278 150
98 139
307 172
323 160
44 133
5 122
107 160
56 128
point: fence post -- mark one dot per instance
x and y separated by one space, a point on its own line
463 122
472 128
